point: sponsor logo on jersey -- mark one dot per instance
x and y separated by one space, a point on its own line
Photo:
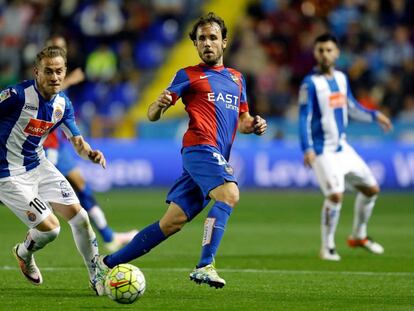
31 216
231 101
337 100
28 107
37 127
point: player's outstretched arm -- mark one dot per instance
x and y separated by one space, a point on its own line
158 107
249 124
85 151
384 121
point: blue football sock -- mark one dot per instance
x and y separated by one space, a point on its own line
142 243
88 202
214 228
86 198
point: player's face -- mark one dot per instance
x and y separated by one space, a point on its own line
326 53
210 44
49 76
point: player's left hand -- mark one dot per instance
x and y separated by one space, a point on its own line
384 122
259 125
96 156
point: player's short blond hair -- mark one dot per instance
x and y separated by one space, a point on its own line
50 52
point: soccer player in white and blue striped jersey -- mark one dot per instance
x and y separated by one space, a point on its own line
29 183
325 103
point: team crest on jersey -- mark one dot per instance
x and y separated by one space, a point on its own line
58 114
228 169
337 100
5 94
234 78
31 216
37 127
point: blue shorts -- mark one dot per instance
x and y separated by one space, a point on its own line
204 169
66 159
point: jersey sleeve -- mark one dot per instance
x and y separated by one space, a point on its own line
179 84
9 97
356 110
244 106
307 96
68 124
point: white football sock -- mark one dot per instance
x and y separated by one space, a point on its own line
98 217
329 221
85 239
36 240
362 213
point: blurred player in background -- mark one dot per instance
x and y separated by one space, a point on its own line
57 151
215 99
29 183
325 101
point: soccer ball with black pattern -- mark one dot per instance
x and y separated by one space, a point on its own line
125 283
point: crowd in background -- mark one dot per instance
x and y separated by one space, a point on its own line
118 44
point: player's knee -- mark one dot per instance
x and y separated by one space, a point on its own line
335 197
371 191
171 227
229 194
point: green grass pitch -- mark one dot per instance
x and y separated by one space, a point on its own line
269 258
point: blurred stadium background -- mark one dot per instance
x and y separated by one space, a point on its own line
130 50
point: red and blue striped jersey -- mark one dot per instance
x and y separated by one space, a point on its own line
214 97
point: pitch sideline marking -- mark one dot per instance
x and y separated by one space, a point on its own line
271 271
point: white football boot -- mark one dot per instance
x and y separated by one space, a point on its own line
367 243
119 240
207 275
28 267
329 254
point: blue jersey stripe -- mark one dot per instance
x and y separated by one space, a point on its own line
338 112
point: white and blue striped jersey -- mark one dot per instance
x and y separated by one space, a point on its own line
26 119
324 106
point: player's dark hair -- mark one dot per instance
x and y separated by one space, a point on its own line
50 52
210 18
326 37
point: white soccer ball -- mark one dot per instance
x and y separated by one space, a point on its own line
125 283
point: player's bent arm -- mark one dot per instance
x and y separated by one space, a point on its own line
158 107
249 124
85 151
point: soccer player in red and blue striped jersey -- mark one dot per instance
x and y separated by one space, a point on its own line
215 100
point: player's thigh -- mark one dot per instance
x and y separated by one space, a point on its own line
358 173
20 194
53 186
207 167
186 194
66 211
329 173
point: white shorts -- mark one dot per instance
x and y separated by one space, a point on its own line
335 169
28 194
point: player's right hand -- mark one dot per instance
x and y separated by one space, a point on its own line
309 157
